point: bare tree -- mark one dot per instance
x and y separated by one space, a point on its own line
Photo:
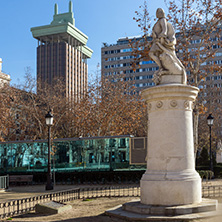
198 27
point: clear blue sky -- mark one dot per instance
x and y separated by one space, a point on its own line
101 20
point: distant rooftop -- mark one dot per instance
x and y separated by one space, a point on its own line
130 37
125 40
62 27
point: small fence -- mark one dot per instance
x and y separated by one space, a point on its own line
110 191
21 206
212 191
4 182
16 207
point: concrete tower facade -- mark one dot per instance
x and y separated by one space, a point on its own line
62 54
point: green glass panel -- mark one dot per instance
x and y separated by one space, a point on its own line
74 155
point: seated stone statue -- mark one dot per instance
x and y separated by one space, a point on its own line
163 52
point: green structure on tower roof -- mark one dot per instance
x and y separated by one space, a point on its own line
63 28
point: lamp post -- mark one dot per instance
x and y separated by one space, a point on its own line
210 121
49 123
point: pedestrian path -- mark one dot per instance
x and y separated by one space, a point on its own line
19 192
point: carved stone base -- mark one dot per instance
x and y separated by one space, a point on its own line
205 206
168 79
170 191
170 178
135 211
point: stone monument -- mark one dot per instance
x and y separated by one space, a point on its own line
171 178
170 186
219 152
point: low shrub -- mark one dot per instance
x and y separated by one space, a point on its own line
206 174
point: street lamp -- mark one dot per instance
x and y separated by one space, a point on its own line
210 121
49 123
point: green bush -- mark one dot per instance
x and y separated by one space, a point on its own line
206 174
203 159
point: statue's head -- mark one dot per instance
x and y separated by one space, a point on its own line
160 13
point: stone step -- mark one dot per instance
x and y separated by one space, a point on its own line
205 206
118 212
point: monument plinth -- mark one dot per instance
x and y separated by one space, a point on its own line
170 178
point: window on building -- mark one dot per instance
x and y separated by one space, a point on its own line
146 62
126 50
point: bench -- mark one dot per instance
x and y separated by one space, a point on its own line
20 179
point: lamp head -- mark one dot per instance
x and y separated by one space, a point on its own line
210 120
49 118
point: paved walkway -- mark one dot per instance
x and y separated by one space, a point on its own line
19 192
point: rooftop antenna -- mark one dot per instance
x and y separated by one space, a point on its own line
70 6
56 9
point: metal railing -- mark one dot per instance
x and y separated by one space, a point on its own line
4 182
20 206
110 191
212 191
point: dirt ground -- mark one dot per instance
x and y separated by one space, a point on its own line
88 211
214 182
82 211
93 210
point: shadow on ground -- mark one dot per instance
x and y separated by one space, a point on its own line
99 218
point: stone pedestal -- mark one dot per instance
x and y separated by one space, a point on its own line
219 156
171 178
170 187
173 78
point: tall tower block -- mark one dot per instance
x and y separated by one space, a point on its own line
62 54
